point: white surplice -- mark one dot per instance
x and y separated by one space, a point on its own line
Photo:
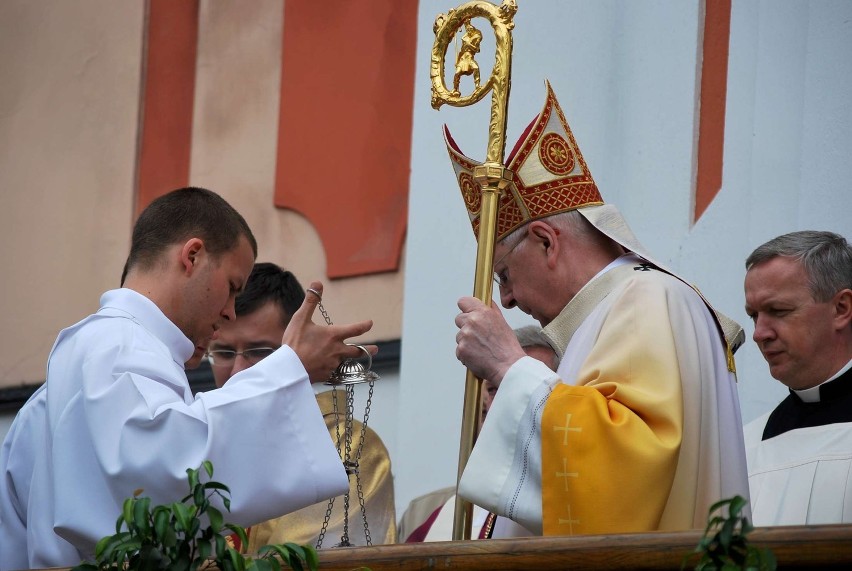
802 476
116 414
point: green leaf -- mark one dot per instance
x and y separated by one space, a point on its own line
737 505
298 550
205 550
140 515
208 467
161 522
221 546
276 549
726 534
311 557
236 559
192 477
198 495
216 486
240 532
182 516
126 513
262 565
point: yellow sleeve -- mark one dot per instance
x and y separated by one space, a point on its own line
610 443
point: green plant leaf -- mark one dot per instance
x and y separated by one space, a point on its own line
236 559
298 550
276 549
181 514
126 514
205 550
208 467
141 513
198 496
736 506
263 564
240 532
311 557
221 546
170 537
192 477
216 486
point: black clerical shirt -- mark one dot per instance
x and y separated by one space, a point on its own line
835 405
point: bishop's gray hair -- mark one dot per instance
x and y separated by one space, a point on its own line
825 256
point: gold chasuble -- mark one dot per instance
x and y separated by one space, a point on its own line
619 453
611 442
303 526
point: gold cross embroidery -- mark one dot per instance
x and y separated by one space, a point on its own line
566 429
565 474
569 521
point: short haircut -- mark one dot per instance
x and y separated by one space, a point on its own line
825 256
180 215
269 283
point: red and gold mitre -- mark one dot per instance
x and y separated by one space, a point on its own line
549 174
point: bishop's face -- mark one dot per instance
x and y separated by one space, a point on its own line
793 331
527 275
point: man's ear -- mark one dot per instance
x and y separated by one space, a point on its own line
190 255
545 236
842 308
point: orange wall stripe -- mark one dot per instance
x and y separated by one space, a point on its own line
714 91
171 43
344 139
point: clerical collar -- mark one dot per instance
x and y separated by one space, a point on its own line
815 394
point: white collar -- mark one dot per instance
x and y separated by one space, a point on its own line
151 317
812 394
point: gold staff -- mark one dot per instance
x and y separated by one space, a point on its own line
491 176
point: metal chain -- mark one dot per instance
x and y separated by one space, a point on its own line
324 313
352 467
347 463
325 523
331 501
367 537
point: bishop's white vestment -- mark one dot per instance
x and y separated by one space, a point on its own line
116 414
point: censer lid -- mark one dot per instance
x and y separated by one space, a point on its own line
351 372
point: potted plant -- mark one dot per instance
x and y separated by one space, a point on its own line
725 543
171 537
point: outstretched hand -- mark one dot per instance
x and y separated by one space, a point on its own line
321 348
485 343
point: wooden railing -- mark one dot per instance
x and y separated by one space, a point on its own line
795 547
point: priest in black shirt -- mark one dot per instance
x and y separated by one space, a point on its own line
798 291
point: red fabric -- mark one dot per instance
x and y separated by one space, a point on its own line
419 534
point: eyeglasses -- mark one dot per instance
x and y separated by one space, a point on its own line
226 357
501 278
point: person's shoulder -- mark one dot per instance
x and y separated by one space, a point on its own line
648 280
